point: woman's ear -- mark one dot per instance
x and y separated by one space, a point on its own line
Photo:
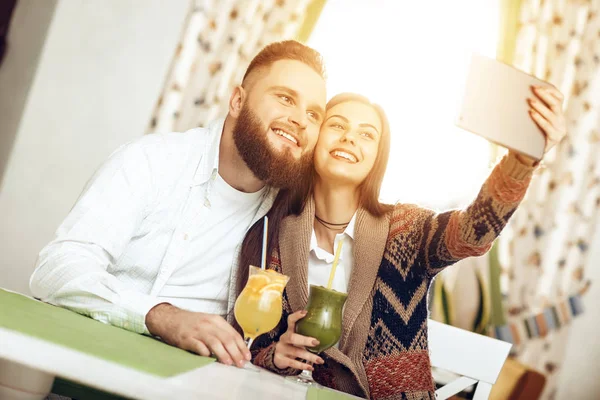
236 101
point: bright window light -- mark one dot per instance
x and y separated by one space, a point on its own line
412 58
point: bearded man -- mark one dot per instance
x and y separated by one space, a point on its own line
153 241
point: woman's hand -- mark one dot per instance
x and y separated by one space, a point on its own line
292 346
546 110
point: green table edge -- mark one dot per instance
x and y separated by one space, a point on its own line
73 331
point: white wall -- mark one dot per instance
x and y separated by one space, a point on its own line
19 67
99 75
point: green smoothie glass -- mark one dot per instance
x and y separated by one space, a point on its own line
323 322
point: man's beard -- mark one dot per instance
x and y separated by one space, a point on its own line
277 169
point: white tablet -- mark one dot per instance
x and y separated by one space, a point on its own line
494 106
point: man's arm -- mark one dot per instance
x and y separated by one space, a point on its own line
71 271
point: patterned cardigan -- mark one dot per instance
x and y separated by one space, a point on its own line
383 350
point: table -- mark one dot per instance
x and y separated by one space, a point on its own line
45 348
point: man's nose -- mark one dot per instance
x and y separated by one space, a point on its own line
299 119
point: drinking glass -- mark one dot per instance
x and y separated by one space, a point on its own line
258 308
323 322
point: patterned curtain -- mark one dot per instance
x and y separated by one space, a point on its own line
544 253
218 42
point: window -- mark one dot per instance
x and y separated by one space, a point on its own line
412 58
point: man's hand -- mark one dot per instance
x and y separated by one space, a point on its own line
204 334
292 346
546 110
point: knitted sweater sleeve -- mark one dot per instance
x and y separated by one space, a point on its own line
441 239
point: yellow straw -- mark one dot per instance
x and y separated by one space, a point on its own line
338 251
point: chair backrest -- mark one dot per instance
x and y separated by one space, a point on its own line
477 358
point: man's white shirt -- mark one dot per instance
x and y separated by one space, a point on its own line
155 223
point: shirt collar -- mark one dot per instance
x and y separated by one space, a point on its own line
209 163
350 228
323 254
